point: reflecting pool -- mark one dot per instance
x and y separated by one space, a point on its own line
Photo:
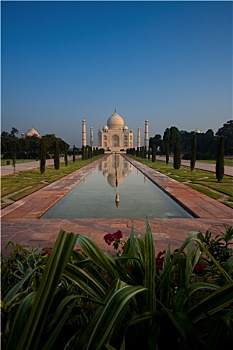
116 189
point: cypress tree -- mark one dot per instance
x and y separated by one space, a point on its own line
177 154
65 154
145 152
153 152
166 139
142 152
137 152
220 160
83 152
57 155
167 151
42 155
73 153
149 153
193 153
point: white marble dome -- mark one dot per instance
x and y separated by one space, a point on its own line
115 121
32 132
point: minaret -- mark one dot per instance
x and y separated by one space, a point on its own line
146 140
84 133
91 136
139 139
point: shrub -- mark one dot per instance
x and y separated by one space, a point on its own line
91 300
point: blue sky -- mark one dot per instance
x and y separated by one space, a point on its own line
170 62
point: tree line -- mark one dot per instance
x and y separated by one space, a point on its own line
191 146
46 147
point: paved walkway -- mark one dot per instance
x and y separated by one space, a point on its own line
21 222
228 170
9 169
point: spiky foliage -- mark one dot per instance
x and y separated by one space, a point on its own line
139 304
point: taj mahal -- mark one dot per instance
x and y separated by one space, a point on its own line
115 136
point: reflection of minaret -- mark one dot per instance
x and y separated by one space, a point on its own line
91 136
146 134
84 133
139 139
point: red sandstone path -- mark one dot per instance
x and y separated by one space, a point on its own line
21 222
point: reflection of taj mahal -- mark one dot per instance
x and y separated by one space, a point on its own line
115 168
115 136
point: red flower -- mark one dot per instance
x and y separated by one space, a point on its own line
48 251
111 237
160 260
108 238
199 268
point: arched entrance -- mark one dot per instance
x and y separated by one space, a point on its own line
115 141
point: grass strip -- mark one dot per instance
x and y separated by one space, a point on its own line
22 180
197 177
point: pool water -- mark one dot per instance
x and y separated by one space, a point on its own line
116 178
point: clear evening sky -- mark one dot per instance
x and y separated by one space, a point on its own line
170 62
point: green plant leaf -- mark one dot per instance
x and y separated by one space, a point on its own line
150 270
217 301
85 281
107 319
93 251
20 320
31 336
18 286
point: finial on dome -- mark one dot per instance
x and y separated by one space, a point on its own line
115 110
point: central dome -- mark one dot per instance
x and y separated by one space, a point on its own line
115 122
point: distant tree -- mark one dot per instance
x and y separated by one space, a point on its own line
138 152
83 152
220 160
174 136
91 152
153 157
142 152
42 155
14 131
166 138
227 132
73 153
65 154
149 153
177 154
57 154
193 153
209 132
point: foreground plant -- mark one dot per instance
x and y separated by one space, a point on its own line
134 301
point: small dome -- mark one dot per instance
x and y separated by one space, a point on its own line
32 132
105 127
115 122
126 127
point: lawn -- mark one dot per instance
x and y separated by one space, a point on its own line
201 180
21 184
227 161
